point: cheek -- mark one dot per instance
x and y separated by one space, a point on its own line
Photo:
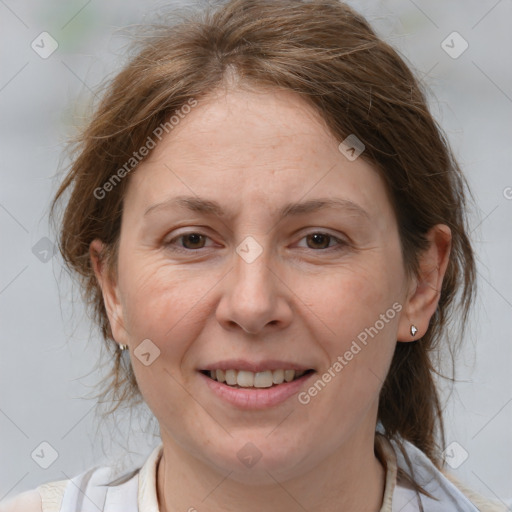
355 298
160 304
164 303
360 309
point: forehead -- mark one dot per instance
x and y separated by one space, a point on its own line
259 123
254 147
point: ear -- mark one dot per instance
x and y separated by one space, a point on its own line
425 289
110 291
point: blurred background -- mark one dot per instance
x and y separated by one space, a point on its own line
54 55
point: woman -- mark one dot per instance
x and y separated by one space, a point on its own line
271 227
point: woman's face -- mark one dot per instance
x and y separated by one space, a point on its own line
242 286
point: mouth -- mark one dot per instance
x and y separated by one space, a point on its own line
255 380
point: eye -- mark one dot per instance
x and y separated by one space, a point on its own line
321 239
194 240
191 241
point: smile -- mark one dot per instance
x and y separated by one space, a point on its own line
247 379
259 390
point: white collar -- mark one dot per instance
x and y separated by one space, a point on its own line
398 495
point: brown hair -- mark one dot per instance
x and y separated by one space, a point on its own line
328 54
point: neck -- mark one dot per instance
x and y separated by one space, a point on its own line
351 478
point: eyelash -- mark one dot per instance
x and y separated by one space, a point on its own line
341 243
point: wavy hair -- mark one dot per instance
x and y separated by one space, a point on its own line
329 55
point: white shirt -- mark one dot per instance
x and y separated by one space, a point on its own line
89 492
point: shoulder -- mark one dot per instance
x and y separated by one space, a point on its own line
28 501
68 495
483 504
442 488
102 485
45 498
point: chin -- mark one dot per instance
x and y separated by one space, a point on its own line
260 462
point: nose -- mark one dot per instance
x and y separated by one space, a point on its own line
255 295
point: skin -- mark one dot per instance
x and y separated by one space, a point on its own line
301 300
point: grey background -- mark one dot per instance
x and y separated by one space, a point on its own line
48 356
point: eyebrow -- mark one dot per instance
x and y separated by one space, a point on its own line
210 207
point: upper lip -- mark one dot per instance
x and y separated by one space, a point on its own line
252 366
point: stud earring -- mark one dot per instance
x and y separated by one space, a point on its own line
413 330
122 347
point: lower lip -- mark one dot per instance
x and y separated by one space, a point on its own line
256 398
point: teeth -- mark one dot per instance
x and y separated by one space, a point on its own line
245 379
288 375
278 376
231 377
263 379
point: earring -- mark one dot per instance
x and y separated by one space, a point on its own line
413 330
122 347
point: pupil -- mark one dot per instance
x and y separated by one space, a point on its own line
316 237
321 236
194 237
